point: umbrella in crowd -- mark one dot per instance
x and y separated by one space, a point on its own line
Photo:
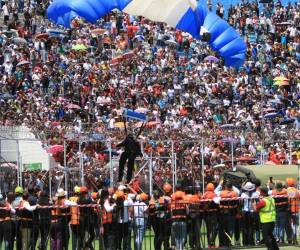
6 96
271 115
287 121
215 101
119 125
211 59
228 126
98 31
79 47
55 149
42 36
23 63
73 106
128 55
140 38
56 33
281 81
171 42
19 40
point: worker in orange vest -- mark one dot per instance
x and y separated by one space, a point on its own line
108 225
179 211
86 218
282 213
74 223
25 214
210 214
194 218
294 196
5 223
164 218
228 211
60 220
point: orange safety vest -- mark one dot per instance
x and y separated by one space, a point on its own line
294 197
25 215
5 213
178 210
228 204
59 212
106 217
74 212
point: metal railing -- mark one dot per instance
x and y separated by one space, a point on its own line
120 224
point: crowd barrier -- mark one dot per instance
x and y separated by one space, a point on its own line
205 224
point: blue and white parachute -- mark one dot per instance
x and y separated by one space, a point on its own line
185 15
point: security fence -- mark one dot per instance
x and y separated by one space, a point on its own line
159 223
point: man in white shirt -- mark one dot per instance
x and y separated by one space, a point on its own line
140 222
248 195
124 210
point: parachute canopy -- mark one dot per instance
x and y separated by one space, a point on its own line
185 15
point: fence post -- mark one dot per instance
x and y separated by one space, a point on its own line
65 167
50 184
232 156
18 163
80 164
111 170
173 174
150 175
202 164
290 153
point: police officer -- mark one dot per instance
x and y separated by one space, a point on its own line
282 213
210 214
267 216
74 223
5 223
294 197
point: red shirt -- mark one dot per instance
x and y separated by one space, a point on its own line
261 204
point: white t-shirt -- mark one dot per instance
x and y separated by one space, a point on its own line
139 212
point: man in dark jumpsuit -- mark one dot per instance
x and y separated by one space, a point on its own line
132 149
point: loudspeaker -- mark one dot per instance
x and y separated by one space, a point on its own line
238 177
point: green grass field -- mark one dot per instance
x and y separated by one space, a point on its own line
278 172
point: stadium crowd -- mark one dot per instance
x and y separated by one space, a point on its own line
66 83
